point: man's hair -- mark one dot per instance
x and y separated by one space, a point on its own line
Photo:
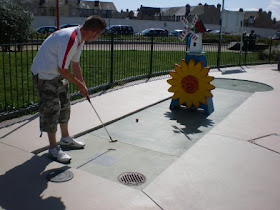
94 23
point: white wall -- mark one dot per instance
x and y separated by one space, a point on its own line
138 25
232 22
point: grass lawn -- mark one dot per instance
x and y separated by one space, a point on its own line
16 79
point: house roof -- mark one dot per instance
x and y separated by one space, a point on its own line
84 4
102 5
181 11
177 11
150 10
248 14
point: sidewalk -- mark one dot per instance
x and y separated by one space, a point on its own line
234 166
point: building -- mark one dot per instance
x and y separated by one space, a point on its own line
258 19
73 8
209 14
148 13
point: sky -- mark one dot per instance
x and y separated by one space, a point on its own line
234 5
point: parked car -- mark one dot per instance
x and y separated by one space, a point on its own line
46 29
67 25
154 32
177 32
276 36
120 29
214 32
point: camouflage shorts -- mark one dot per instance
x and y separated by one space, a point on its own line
54 102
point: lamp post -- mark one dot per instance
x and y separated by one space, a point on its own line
57 14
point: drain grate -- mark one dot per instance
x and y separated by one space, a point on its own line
132 178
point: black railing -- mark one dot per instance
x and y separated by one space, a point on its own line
106 62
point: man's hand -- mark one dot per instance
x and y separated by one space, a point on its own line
79 84
82 88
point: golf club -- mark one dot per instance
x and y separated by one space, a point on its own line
111 140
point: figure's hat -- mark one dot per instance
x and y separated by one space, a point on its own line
199 27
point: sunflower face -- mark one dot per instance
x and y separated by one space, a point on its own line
190 83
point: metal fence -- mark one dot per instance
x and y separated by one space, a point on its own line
110 60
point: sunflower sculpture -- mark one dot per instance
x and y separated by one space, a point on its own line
190 84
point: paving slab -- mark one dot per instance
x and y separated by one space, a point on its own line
109 160
271 142
24 186
220 173
110 105
257 117
172 132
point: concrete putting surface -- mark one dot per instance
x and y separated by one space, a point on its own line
150 140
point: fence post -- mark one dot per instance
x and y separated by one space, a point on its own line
270 46
112 59
219 53
245 57
151 57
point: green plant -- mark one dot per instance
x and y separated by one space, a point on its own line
274 55
15 22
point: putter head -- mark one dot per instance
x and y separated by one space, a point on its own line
113 140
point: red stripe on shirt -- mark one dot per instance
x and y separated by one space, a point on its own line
70 44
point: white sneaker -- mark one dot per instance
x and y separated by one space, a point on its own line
71 142
58 155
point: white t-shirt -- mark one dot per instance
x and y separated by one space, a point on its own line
58 50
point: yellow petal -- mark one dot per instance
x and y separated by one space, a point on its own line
202 100
173 89
196 104
191 64
198 66
176 95
181 101
175 75
208 94
188 104
206 79
184 65
177 67
173 82
204 71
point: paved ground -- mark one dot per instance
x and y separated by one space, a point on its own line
228 160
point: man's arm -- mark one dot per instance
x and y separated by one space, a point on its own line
77 71
76 79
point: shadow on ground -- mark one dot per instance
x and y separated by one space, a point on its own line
22 187
191 119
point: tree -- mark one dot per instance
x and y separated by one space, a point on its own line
15 21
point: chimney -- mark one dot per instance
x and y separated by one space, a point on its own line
96 3
219 7
41 2
269 13
188 9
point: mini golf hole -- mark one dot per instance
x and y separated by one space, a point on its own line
58 176
132 178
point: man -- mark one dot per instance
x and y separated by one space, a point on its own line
252 40
51 75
